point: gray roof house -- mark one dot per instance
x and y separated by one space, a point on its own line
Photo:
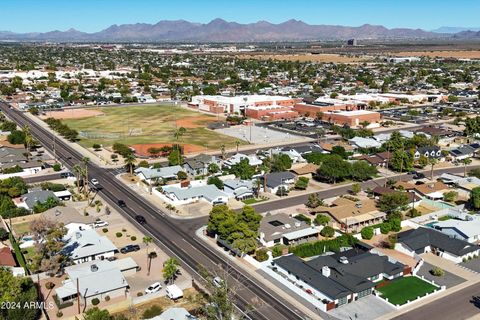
422 240
96 279
341 277
275 180
240 189
198 165
433 152
30 199
462 152
282 228
12 155
149 174
87 245
178 196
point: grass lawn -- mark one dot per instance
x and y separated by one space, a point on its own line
149 124
444 218
21 228
252 201
407 288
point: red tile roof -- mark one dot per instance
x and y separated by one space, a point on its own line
6 257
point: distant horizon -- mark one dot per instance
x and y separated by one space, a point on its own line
90 16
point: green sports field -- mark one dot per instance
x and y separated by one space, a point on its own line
149 124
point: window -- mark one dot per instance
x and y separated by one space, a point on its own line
342 301
364 293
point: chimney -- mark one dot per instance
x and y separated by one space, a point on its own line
326 271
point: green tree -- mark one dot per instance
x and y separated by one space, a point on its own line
243 170
97 314
321 220
334 169
182 175
170 269
466 162
16 137
130 161
314 201
215 181
327 232
401 160
302 183
356 188
175 158
280 162
339 150
213 168
367 233
393 202
475 198
450 196
20 292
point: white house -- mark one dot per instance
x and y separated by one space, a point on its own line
87 245
151 174
253 160
180 195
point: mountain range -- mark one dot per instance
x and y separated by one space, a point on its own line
219 30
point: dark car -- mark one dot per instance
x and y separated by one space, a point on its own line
121 203
130 248
140 219
418 176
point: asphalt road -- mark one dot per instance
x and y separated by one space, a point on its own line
174 236
455 306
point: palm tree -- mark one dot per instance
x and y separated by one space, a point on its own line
432 162
177 135
466 162
29 140
85 161
237 143
129 161
147 240
222 150
78 173
320 133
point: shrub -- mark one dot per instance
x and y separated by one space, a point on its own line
59 314
49 285
277 250
385 228
321 220
437 272
107 298
367 233
152 312
303 218
133 238
311 249
261 255
105 230
396 225
139 294
95 301
327 231
119 234
96 147
124 230
57 167
302 183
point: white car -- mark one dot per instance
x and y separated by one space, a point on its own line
95 182
217 282
154 287
100 224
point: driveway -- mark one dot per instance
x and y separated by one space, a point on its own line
473 265
449 279
366 308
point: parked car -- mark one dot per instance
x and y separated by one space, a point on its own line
130 248
154 287
140 219
121 203
100 224
95 182
112 258
66 174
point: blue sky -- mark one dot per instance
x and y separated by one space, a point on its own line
94 15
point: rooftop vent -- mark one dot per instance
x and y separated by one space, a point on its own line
326 271
343 260
94 268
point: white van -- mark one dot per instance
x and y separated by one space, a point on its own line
174 292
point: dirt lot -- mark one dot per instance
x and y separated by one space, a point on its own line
327 57
72 114
461 54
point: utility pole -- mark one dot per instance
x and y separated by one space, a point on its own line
78 297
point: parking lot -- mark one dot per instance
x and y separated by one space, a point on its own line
258 134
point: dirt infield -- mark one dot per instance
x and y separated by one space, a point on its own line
461 54
323 57
72 114
194 122
142 149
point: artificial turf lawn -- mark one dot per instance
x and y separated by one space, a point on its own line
407 288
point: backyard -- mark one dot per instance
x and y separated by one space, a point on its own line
134 125
405 289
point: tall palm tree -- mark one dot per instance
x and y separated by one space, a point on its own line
432 162
466 162
237 143
177 135
86 161
222 150
147 240
29 140
78 173
130 162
